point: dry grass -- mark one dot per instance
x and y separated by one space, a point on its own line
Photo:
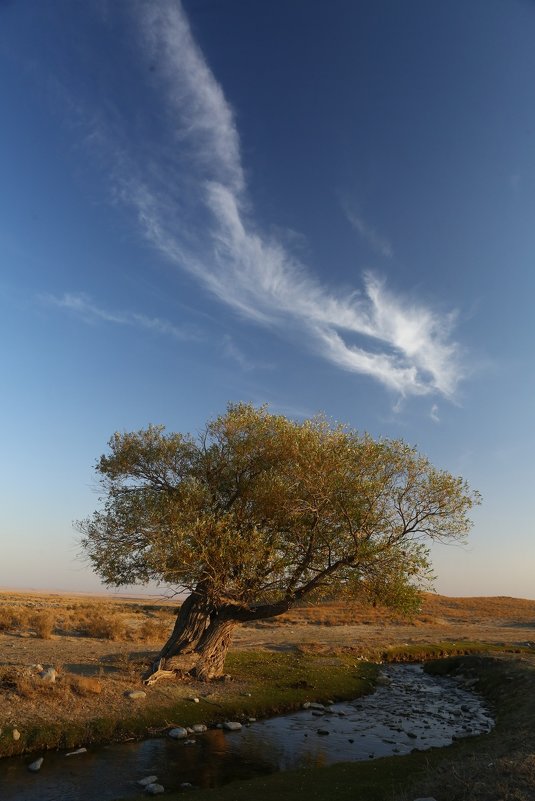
42 623
436 610
86 685
45 616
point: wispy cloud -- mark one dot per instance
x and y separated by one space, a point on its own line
231 351
375 240
234 352
433 414
190 197
82 305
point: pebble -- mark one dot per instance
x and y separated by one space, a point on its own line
16 734
148 780
199 728
232 725
178 733
35 766
78 751
136 694
48 675
155 789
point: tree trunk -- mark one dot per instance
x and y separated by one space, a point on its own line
212 648
201 637
189 627
177 655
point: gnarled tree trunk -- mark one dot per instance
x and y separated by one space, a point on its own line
177 655
201 637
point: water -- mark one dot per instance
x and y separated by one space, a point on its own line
414 710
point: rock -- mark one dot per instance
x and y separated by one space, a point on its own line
232 725
251 720
314 705
155 789
48 675
383 680
323 732
185 785
196 700
15 734
35 766
148 780
178 733
306 705
136 694
199 728
78 751
411 734
318 713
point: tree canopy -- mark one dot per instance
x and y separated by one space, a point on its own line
259 512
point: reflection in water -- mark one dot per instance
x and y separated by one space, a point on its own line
413 711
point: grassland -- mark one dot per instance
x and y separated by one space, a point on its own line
99 647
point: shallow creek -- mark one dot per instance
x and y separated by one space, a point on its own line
409 710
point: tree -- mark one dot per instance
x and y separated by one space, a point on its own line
260 512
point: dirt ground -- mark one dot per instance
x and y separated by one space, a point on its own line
115 665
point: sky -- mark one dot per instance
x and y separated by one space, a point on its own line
326 207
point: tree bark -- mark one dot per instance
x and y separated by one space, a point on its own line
213 647
177 653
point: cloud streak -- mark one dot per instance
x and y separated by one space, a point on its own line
191 202
81 305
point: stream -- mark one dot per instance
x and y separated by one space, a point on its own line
409 710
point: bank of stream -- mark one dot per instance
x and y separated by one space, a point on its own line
409 710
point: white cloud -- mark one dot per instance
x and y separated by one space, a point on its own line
433 414
82 305
191 204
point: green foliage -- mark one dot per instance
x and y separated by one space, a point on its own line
262 510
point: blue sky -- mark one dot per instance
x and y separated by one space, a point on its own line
325 207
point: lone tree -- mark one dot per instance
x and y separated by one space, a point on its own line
260 512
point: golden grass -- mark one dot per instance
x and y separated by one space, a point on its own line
46 616
134 620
